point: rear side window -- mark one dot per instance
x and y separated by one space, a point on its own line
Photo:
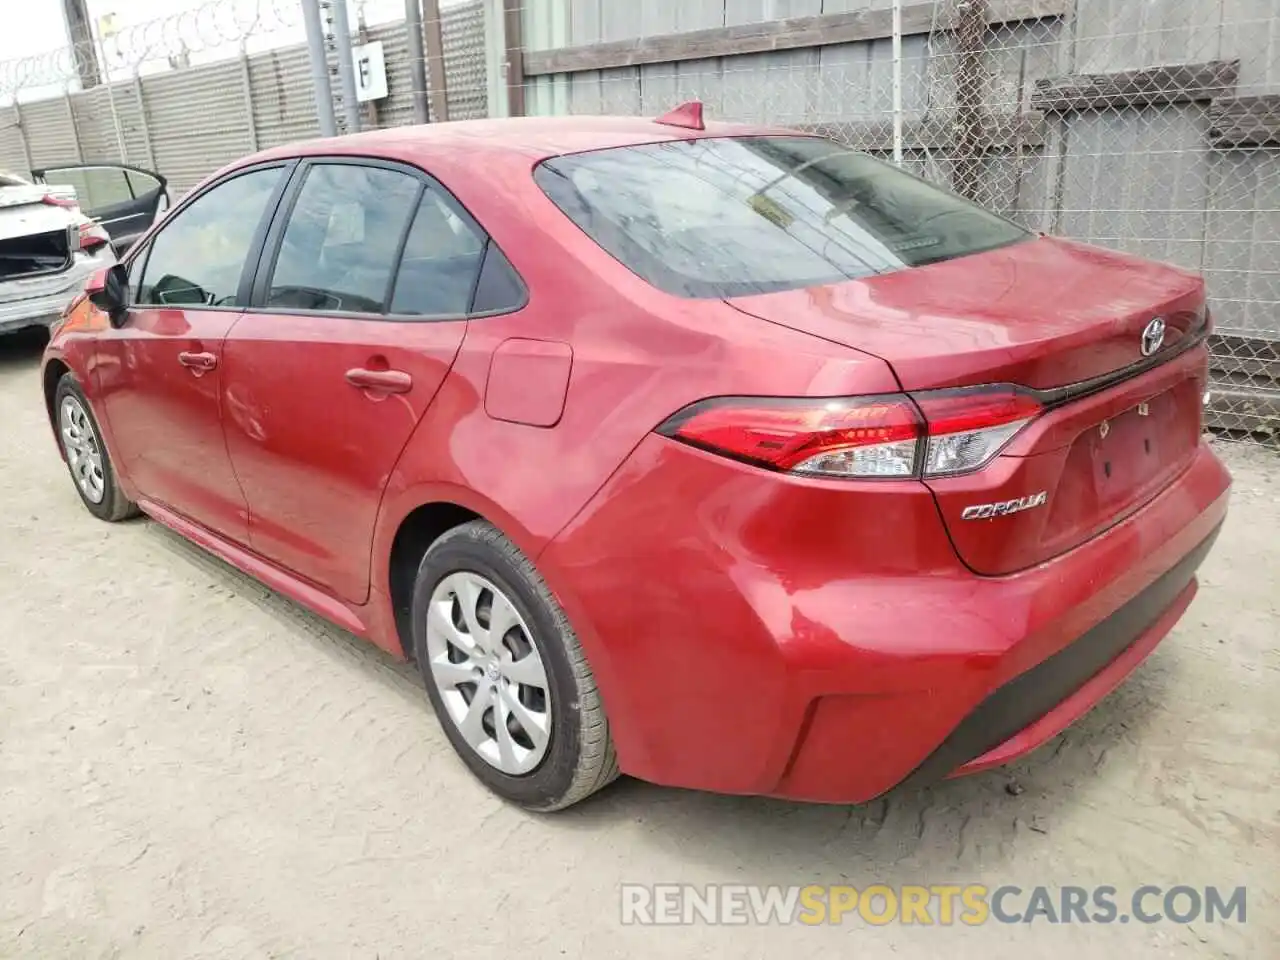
141 184
441 261
96 187
733 216
499 288
342 241
197 259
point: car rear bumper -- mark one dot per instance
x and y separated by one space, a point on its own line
754 640
1041 702
51 297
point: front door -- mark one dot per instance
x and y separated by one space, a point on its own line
339 357
163 368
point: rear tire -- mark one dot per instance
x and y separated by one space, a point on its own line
528 673
88 462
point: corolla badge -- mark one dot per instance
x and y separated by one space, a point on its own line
982 511
1153 336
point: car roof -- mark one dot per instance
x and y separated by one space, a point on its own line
526 139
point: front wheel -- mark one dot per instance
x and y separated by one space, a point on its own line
506 674
86 454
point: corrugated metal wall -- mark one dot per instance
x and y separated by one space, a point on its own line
198 121
397 109
51 136
187 123
105 117
1143 179
12 154
283 105
462 26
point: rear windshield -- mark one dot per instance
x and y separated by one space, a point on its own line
732 216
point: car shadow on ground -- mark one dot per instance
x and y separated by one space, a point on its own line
22 348
961 829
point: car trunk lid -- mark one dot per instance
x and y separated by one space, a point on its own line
1066 320
35 238
1042 313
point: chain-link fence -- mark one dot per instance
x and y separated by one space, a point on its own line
1152 127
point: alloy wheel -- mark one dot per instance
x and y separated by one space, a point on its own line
84 454
489 672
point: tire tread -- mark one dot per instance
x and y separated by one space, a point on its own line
115 506
597 764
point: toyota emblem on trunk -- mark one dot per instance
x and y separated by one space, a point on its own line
1153 336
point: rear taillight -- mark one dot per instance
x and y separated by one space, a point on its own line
52 201
934 433
93 235
861 437
968 427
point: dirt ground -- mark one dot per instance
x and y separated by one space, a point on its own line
192 767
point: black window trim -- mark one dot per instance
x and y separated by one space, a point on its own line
269 250
142 251
393 279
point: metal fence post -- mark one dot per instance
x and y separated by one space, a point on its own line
111 102
897 82
346 65
513 10
71 119
495 57
971 85
319 68
435 60
22 133
417 59
246 79
143 125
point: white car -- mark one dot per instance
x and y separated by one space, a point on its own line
57 230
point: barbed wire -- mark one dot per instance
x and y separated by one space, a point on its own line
173 38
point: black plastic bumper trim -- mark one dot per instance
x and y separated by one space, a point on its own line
1032 694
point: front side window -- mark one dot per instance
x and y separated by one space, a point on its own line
342 240
733 216
197 259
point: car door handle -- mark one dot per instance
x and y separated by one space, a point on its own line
198 361
384 381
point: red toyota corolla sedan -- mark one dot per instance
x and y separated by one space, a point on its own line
725 457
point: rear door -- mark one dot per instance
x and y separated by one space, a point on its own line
125 200
358 311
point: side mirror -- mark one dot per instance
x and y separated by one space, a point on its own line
107 291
